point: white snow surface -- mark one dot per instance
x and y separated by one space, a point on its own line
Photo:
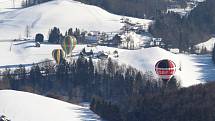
7 5
63 14
195 69
208 44
24 106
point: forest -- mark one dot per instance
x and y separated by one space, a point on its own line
136 8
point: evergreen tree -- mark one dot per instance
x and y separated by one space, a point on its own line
70 32
213 54
54 35
39 38
110 67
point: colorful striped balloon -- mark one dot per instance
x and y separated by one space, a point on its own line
165 69
58 55
69 44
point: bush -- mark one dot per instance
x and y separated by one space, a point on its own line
39 38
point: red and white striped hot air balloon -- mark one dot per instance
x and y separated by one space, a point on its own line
165 69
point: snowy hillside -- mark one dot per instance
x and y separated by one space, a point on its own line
208 44
23 106
6 5
194 70
60 13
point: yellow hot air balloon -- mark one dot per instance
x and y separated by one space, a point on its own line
68 44
58 55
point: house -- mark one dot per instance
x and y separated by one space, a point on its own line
174 50
156 42
92 37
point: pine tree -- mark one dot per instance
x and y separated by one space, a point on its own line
55 35
70 32
110 67
213 54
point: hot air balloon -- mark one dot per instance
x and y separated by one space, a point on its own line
69 44
58 55
165 69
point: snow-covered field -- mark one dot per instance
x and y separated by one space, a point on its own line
62 14
8 5
209 45
195 69
23 106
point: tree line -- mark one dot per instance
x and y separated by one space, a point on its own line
79 80
195 103
28 3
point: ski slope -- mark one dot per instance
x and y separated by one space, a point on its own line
23 106
63 14
195 69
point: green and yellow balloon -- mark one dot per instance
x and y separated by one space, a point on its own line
58 55
68 44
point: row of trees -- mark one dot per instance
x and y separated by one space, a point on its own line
80 80
195 103
55 36
27 3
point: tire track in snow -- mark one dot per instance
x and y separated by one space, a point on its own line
36 21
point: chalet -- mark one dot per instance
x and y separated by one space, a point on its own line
92 37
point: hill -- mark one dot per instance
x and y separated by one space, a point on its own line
8 5
60 13
23 106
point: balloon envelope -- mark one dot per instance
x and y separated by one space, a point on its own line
58 55
165 69
68 44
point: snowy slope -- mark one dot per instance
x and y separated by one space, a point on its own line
7 5
23 106
60 13
208 44
145 60
13 53
142 59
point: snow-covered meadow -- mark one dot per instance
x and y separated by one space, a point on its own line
63 14
24 106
